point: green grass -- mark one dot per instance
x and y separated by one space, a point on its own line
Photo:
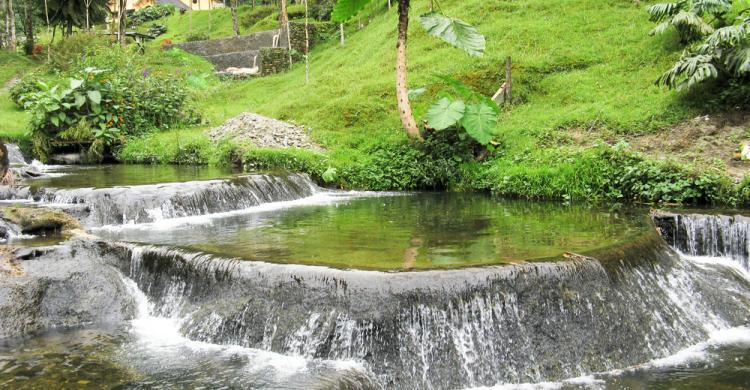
13 119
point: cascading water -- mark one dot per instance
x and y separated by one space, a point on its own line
452 329
149 203
15 156
708 235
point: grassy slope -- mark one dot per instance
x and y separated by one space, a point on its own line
577 64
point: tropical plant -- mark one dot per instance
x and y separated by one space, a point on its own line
150 13
474 113
725 54
456 32
687 17
112 105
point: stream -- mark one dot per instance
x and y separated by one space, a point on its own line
211 278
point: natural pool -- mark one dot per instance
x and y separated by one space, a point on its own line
398 231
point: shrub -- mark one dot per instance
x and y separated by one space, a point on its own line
197 36
150 13
249 19
105 105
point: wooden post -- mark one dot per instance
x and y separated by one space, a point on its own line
508 81
343 41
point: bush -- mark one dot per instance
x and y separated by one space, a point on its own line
105 106
70 52
249 19
150 13
197 36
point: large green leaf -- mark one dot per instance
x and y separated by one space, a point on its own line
346 9
454 31
445 113
95 96
479 120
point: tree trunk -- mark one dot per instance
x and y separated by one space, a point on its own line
28 27
307 47
343 40
88 25
402 91
122 19
69 28
284 22
235 26
4 163
12 27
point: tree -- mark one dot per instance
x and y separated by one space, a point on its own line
10 18
456 32
122 21
28 26
75 13
686 16
284 23
235 26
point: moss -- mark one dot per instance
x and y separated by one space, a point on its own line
35 220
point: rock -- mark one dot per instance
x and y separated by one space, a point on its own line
70 285
34 220
264 132
745 152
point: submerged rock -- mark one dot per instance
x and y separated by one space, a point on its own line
62 286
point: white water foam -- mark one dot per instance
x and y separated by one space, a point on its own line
702 352
162 336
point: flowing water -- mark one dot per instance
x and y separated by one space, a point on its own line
227 281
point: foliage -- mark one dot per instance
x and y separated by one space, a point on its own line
687 17
150 13
112 105
257 14
68 53
723 55
197 36
72 13
454 31
472 112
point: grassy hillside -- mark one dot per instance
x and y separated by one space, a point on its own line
581 67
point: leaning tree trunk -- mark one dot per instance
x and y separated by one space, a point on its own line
28 27
11 26
402 91
235 26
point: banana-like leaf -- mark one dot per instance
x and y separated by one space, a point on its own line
479 121
454 31
738 60
416 92
711 7
445 113
659 12
346 9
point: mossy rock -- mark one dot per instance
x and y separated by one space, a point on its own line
34 220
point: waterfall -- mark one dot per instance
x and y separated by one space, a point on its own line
15 156
451 329
707 235
150 203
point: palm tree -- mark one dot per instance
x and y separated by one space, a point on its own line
686 16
